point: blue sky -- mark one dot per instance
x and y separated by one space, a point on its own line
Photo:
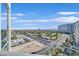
40 15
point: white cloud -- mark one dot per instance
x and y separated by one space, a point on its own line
29 24
53 27
38 20
13 14
33 14
24 28
67 13
70 19
3 18
13 18
4 14
17 14
33 28
65 19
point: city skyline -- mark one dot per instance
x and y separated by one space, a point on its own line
40 15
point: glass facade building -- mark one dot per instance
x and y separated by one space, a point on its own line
76 33
73 28
66 28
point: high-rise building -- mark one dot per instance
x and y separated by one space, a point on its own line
76 32
72 28
66 28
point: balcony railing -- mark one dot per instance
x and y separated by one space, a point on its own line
4 44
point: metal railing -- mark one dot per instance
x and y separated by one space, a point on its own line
72 51
4 43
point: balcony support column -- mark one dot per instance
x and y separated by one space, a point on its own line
0 26
8 26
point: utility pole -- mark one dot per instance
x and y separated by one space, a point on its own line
0 26
8 26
